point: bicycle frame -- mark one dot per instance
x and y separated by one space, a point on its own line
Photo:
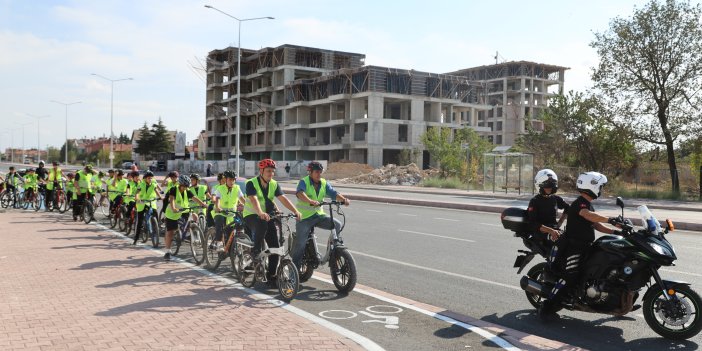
266 251
334 240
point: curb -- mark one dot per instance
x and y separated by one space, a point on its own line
697 227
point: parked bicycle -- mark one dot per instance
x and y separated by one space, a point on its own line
254 269
233 233
341 264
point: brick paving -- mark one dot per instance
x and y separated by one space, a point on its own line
71 286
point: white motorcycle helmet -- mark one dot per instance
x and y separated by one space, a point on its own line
591 183
546 178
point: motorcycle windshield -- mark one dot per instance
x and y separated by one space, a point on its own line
648 221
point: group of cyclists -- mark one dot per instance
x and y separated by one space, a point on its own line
180 192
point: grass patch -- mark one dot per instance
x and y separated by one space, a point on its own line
447 183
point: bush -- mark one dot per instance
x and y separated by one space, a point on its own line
437 182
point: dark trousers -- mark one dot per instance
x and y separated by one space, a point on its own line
51 198
78 204
565 265
140 221
262 230
208 217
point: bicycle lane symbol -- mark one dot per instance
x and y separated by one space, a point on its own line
381 313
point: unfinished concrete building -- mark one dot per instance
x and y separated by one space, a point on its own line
517 92
300 103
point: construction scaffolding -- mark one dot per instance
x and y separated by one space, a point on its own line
513 69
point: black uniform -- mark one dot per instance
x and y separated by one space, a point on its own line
543 210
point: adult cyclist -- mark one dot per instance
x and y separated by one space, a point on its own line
311 190
260 192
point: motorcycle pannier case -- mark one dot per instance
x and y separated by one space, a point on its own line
515 219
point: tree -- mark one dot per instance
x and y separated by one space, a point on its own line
577 133
145 145
124 139
650 72
161 138
445 147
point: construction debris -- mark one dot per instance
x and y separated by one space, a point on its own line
338 170
390 175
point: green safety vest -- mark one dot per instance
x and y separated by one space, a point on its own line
30 181
200 192
147 192
70 187
216 188
120 187
132 191
307 210
181 202
248 205
54 176
85 181
12 179
229 199
97 184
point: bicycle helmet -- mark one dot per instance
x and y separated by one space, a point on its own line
148 174
591 183
546 178
195 176
229 174
184 180
266 163
41 163
315 166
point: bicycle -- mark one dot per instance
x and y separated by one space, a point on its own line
151 227
341 264
255 269
87 211
116 213
59 199
102 203
185 224
129 219
12 197
39 196
233 233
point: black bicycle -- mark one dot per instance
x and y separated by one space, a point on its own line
235 232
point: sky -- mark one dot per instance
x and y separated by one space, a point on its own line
48 50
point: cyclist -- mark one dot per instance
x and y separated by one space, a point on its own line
178 200
201 191
82 183
147 189
311 190
132 185
41 171
168 183
54 177
70 187
120 187
30 184
221 181
227 197
12 181
260 192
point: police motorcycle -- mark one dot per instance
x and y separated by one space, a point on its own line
614 273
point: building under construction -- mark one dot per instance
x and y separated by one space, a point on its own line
300 103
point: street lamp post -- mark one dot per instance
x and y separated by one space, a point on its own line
66 106
38 129
112 99
22 126
238 84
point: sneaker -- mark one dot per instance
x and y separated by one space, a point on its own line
167 256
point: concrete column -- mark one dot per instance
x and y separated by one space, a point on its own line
375 156
435 112
417 110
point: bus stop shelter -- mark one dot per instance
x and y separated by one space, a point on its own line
508 171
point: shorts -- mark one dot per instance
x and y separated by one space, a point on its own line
171 224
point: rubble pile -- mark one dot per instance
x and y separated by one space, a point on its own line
389 175
338 170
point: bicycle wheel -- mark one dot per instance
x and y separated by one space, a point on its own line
201 221
288 280
130 222
196 244
88 211
122 221
114 219
155 234
150 227
177 241
343 270
38 201
309 260
247 271
20 201
66 205
236 252
104 205
210 255
60 201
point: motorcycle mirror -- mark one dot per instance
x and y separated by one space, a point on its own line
671 226
620 203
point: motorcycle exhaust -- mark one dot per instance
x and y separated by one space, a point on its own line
531 286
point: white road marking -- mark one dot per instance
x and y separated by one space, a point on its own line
491 224
504 344
467 277
680 272
435 235
447 219
373 211
407 214
360 339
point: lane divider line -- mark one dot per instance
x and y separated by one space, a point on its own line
447 219
359 339
435 235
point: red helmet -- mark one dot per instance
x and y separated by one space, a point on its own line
266 163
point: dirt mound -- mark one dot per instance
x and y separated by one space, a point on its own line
390 175
338 170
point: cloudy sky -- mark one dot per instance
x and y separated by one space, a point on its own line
48 50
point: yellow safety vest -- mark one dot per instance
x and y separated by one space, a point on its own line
307 210
248 205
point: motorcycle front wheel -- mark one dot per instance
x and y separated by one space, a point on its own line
677 318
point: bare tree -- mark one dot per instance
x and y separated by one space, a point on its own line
650 73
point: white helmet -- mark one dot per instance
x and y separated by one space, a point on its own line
546 178
591 183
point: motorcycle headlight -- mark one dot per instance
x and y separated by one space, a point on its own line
660 249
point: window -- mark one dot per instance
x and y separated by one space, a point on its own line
498 139
498 126
313 133
402 133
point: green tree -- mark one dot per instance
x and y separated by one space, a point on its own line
161 138
650 71
445 147
145 145
124 139
408 156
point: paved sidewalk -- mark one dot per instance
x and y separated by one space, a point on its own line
71 286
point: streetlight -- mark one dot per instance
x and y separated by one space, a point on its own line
22 126
238 84
39 144
66 105
112 99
